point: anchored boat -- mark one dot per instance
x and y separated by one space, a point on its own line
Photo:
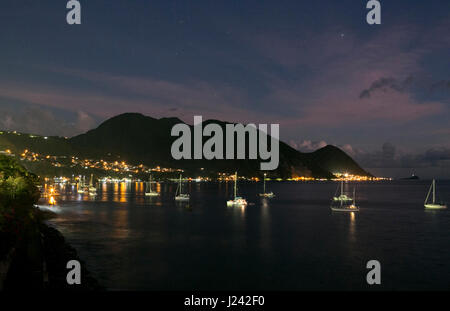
179 195
81 185
92 189
433 204
266 194
237 201
149 192
345 207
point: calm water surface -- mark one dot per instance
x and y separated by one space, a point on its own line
290 242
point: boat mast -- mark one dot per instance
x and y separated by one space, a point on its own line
264 183
354 195
235 185
342 187
180 184
429 191
434 191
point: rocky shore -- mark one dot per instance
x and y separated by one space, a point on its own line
38 262
33 256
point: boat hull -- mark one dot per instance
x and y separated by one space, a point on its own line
182 198
345 209
435 206
236 203
267 195
151 194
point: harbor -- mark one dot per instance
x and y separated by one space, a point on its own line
265 245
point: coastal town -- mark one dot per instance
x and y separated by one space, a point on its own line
117 170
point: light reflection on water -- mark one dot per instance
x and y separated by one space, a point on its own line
290 242
352 224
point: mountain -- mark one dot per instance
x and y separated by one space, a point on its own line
140 139
134 137
335 160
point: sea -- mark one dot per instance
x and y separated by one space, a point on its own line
292 242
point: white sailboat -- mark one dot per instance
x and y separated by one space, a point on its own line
342 207
179 195
342 197
81 186
237 201
433 204
149 192
266 194
92 189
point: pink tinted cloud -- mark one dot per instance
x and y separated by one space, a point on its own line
339 68
342 67
394 107
157 98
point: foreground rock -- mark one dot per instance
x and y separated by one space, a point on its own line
39 263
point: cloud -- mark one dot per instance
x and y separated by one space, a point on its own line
442 85
353 82
347 148
114 94
310 146
389 161
435 156
341 111
315 79
84 121
386 157
307 145
385 85
40 120
389 84
389 157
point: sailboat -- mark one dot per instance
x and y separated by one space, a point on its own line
342 207
92 189
266 194
73 181
342 197
433 204
237 201
148 191
179 195
81 186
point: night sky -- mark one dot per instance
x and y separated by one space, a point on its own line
380 92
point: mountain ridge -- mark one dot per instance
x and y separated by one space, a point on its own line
131 128
137 139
